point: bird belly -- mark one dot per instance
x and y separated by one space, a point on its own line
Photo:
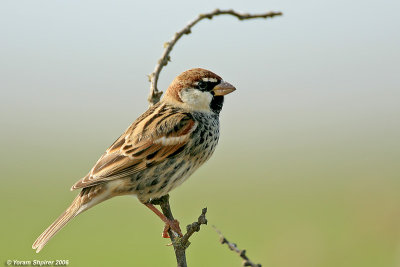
158 180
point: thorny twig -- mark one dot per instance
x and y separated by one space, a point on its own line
233 246
155 94
194 227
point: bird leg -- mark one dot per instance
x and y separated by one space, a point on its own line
169 224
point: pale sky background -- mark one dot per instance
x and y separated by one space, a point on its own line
326 73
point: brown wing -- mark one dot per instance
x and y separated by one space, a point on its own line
159 133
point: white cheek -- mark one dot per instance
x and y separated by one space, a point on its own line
196 99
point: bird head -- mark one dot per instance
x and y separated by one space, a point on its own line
198 90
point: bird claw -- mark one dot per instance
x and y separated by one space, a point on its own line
174 226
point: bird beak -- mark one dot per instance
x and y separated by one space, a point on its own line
223 88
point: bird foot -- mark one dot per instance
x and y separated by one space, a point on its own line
169 224
174 226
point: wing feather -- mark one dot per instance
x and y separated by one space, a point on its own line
159 133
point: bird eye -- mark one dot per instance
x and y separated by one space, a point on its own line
202 85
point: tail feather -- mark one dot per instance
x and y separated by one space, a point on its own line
58 224
86 199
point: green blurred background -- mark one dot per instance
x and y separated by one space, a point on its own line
307 169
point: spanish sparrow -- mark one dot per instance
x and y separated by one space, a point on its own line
158 152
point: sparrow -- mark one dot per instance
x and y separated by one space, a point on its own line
158 152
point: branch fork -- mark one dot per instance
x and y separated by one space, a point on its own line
180 244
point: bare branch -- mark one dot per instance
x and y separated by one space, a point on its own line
180 243
233 247
155 94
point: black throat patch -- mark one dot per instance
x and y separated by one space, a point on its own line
217 103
